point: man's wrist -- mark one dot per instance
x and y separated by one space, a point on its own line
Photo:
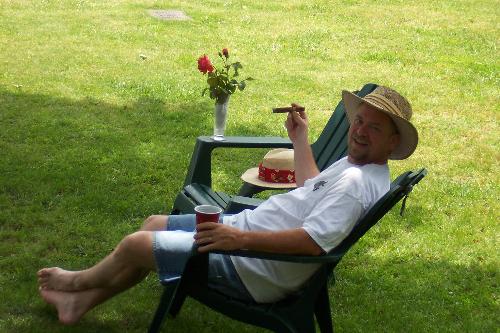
244 240
301 142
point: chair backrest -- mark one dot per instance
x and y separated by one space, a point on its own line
400 187
331 145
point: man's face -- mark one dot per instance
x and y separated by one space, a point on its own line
372 136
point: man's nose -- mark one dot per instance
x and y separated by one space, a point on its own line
361 130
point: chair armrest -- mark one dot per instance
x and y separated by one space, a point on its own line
240 203
247 142
200 168
303 259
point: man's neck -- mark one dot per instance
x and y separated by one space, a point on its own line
363 162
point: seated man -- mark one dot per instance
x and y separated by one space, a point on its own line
310 220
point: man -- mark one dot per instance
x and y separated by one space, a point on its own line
310 220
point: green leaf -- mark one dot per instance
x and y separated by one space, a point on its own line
204 92
242 85
236 65
212 82
249 79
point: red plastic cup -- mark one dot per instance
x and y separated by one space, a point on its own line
207 213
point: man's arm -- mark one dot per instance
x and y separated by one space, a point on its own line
217 236
305 165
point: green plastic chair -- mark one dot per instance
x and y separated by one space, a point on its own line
296 313
330 146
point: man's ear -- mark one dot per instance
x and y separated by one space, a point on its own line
394 141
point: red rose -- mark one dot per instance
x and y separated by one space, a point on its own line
204 64
225 52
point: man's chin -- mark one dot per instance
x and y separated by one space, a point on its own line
357 157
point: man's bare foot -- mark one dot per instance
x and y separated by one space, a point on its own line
68 305
56 278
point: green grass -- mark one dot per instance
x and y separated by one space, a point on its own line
93 139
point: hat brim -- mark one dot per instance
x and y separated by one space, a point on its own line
251 176
407 132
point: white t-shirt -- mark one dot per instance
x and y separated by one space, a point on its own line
327 207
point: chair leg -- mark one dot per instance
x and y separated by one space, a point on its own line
323 311
165 303
177 302
306 326
295 320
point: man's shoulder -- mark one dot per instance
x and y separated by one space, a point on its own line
347 173
365 176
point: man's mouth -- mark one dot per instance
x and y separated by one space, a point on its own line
359 142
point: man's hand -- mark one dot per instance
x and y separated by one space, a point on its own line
217 236
297 125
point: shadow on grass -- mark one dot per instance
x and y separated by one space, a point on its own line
89 154
414 294
395 295
76 175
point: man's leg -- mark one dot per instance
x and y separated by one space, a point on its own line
75 293
137 245
155 223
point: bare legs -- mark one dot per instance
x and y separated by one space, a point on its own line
74 293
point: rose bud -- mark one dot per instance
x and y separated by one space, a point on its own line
225 52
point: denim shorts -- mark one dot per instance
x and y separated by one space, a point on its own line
222 275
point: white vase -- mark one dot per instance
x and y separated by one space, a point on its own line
220 117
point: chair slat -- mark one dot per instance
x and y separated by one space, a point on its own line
335 150
201 197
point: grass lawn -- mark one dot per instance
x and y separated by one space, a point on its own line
94 138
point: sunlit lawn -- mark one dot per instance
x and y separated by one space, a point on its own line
94 138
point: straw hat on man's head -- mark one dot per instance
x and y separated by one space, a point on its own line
396 107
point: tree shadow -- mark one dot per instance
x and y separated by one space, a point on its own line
78 174
57 147
416 294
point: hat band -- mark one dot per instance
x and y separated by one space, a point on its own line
276 175
384 103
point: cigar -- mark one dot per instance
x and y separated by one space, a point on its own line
288 109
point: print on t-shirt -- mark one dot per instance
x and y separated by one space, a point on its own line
319 184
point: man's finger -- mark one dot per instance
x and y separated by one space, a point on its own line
204 248
296 116
289 121
295 105
206 226
199 234
204 240
205 233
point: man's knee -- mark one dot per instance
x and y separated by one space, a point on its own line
155 222
135 243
